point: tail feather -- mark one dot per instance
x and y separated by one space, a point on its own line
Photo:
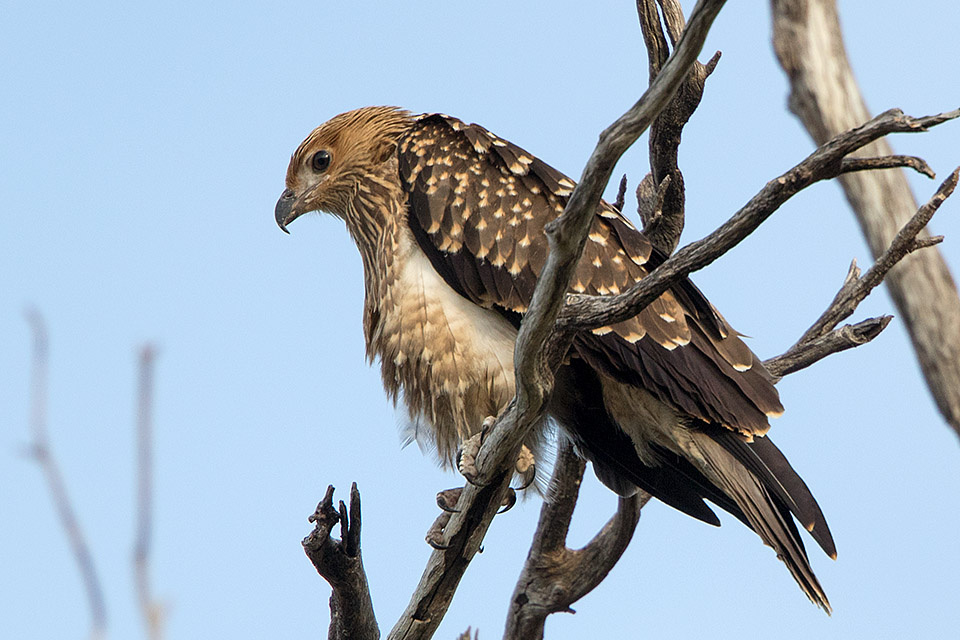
767 513
810 514
766 461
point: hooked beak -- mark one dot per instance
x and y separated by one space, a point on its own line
285 212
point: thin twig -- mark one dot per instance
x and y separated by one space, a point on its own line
151 609
41 452
621 194
823 338
846 337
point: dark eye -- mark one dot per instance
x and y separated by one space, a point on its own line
320 161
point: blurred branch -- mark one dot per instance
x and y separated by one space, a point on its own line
41 452
151 609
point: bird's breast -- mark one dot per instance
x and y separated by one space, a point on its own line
450 359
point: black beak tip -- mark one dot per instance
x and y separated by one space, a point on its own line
284 209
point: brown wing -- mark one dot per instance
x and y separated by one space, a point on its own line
477 205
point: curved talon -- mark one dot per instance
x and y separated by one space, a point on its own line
528 477
488 423
526 467
437 545
509 501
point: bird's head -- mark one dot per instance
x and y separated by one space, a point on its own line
327 169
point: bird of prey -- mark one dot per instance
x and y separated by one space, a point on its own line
449 220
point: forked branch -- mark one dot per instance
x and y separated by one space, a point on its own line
554 577
340 564
823 338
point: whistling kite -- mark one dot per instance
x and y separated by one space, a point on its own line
449 222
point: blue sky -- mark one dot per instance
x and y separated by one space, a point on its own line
143 149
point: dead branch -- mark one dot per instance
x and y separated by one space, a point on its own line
855 289
341 565
888 162
825 97
846 337
663 216
41 452
823 338
554 577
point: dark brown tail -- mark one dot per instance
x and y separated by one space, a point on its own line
767 490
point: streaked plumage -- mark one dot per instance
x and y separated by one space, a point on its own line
449 222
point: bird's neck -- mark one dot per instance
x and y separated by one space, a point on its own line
376 219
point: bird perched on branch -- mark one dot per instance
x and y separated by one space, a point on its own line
449 222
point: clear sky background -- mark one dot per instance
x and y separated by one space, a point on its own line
143 149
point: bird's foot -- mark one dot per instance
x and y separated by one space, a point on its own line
470 449
525 467
434 536
447 501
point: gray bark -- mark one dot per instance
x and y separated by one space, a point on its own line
826 98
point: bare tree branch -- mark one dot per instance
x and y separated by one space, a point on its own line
340 563
621 194
855 289
888 162
825 96
663 223
554 577
846 337
41 452
822 338
152 610
539 349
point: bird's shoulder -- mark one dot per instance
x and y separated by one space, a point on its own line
477 205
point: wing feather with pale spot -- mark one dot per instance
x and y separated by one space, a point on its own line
477 205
